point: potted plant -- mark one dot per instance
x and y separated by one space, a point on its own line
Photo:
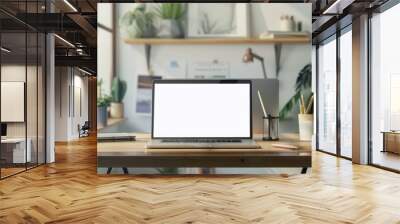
118 90
102 103
303 91
306 118
138 23
171 15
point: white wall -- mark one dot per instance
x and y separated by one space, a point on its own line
131 58
61 103
67 120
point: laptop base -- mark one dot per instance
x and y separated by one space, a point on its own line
243 144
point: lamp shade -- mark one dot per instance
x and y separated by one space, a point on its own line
248 56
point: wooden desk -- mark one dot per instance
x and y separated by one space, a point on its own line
134 154
391 141
13 150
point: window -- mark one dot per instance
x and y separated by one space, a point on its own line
105 40
346 93
327 96
385 89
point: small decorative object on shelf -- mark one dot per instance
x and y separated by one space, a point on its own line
288 24
271 128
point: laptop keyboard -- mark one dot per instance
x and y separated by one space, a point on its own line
201 140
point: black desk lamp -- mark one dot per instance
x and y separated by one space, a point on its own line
249 56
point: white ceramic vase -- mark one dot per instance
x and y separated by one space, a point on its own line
306 124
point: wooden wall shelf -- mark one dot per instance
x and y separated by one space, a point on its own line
277 42
210 41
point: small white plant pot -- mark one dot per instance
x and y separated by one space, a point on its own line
169 28
306 124
117 110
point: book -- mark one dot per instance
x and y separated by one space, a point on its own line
277 34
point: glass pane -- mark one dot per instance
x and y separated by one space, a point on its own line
31 98
13 85
346 94
327 97
41 99
385 84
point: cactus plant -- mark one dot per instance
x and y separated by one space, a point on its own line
170 11
118 90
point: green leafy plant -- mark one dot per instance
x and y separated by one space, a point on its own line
303 90
99 86
103 101
138 23
173 11
118 90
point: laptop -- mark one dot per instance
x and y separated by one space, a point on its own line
202 114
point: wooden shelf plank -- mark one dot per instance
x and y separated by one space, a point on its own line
204 41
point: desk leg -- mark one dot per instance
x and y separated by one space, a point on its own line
384 143
123 168
109 170
304 170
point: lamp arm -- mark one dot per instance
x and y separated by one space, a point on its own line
261 59
263 68
257 56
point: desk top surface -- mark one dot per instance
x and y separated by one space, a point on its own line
391 132
137 148
13 140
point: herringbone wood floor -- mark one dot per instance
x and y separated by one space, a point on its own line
70 191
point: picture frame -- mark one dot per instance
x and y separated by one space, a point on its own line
144 93
202 20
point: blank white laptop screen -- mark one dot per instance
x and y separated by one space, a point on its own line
202 110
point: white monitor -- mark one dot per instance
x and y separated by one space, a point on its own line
202 109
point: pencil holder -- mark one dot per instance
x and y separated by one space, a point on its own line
271 128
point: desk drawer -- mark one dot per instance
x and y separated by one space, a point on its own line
392 142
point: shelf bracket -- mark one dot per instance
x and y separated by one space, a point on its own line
278 51
147 52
